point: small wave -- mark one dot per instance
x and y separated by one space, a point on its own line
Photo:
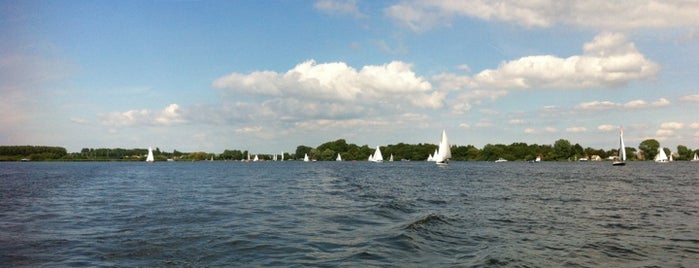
428 220
619 226
616 250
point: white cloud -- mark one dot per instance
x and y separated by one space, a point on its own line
608 61
420 15
542 130
694 125
576 129
672 125
171 115
249 129
338 82
348 7
551 129
634 104
606 128
517 121
664 132
690 98
79 120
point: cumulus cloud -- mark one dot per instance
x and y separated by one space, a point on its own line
348 7
517 121
634 104
607 61
338 83
606 128
672 125
170 115
576 129
690 98
547 129
420 15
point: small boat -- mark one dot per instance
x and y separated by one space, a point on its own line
376 157
620 160
150 158
305 158
661 157
696 158
444 151
501 160
339 157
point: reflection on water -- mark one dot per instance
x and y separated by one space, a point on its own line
468 214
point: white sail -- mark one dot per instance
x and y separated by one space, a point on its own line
430 158
444 152
376 157
661 157
390 158
696 157
150 158
622 147
305 158
339 157
256 159
282 155
622 150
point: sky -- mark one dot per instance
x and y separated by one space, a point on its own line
267 76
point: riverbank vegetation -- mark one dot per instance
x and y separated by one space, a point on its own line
560 150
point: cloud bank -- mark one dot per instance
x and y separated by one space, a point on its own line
421 15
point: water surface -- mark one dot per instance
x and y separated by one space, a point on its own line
330 214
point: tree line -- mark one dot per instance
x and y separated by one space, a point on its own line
560 150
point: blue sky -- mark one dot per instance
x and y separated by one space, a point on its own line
267 76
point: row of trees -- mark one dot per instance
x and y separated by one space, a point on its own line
17 153
561 150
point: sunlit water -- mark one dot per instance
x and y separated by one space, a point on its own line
468 214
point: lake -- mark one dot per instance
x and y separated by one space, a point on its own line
349 214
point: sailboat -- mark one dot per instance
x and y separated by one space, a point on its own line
390 159
620 160
661 157
444 152
339 158
376 157
696 158
305 158
150 158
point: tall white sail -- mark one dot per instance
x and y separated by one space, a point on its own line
696 157
622 150
305 158
339 158
444 152
661 157
377 157
150 158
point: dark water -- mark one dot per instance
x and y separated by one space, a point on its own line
328 214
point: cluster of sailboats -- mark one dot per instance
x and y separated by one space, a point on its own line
442 154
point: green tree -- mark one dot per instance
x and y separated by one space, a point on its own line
562 149
649 148
301 150
684 153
